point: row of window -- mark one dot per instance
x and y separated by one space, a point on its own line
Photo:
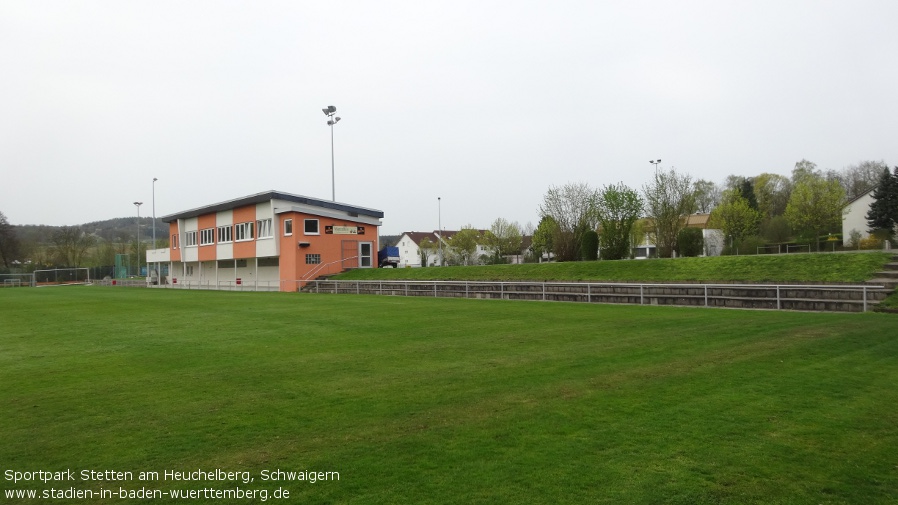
242 232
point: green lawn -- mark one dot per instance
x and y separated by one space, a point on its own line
448 400
829 267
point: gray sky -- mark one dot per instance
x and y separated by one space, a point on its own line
485 104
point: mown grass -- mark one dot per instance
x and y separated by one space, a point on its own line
825 268
452 401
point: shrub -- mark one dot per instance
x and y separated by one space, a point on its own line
690 242
589 246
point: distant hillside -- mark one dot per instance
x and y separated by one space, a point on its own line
120 229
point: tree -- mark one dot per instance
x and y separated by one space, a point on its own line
747 189
772 192
573 208
589 246
71 244
860 178
618 209
542 237
883 214
9 242
735 216
503 239
707 195
669 198
690 242
804 169
464 244
815 206
426 248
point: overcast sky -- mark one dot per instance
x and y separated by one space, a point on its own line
485 104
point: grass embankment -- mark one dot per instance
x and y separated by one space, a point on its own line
448 401
819 268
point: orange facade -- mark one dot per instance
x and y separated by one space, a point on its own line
293 240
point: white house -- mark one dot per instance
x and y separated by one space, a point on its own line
409 245
854 217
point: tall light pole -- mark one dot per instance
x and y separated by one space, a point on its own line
656 163
440 227
154 225
329 112
138 204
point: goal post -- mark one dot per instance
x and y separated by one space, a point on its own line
61 276
16 280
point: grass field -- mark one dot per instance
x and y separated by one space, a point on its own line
447 400
795 268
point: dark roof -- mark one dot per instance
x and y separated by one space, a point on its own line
267 196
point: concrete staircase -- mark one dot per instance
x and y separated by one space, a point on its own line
888 277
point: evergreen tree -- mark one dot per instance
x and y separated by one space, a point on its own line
883 214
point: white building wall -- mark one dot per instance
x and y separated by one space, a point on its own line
409 253
188 253
266 247
226 250
855 217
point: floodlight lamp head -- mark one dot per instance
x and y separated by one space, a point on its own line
330 123
329 110
336 119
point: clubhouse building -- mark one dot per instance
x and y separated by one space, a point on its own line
267 241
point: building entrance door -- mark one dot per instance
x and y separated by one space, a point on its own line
366 250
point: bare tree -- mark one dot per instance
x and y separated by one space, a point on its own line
669 198
573 208
71 244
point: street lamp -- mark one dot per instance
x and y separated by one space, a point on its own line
329 112
656 163
440 227
138 204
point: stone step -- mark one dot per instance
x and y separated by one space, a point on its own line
891 266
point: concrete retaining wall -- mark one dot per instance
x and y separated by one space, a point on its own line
836 298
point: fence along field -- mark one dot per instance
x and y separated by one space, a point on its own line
421 400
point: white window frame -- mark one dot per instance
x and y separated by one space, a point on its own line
174 241
305 227
315 259
263 228
288 224
243 232
207 236
190 239
225 234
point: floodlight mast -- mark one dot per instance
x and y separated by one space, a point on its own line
329 111
138 204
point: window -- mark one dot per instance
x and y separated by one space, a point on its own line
207 236
311 227
268 262
224 234
313 259
188 270
243 231
174 241
288 227
190 239
263 226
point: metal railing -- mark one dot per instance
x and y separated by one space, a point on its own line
765 296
